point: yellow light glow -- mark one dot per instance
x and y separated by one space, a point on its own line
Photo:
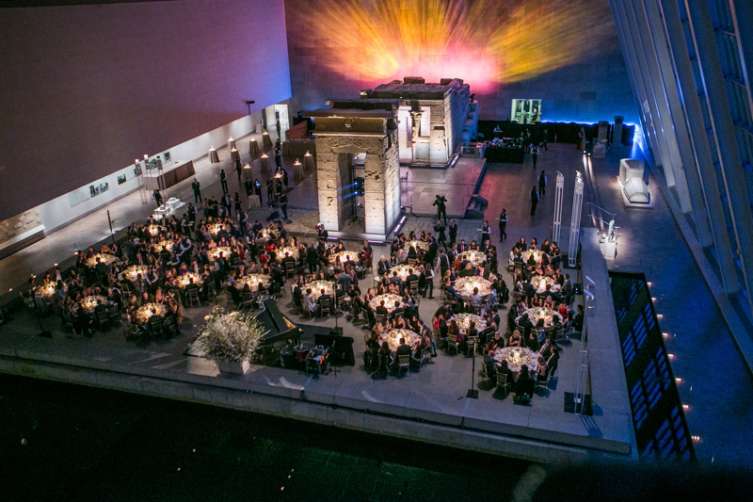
485 42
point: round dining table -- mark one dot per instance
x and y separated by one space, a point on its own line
464 320
147 310
317 287
131 273
185 280
540 282
390 299
165 244
550 316
516 358
393 336
474 256
344 257
105 258
282 252
403 271
466 285
219 251
89 303
255 282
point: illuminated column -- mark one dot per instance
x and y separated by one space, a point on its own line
572 249
558 191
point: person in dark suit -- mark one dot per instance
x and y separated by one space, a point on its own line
453 230
196 187
223 181
381 309
444 262
503 225
324 298
441 202
534 200
157 197
525 385
283 201
403 349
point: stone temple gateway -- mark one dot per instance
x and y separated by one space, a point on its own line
357 139
408 122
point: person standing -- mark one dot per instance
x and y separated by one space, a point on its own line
534 200
486 232
237 204
248 185
453 229
283 201
223 181
196 186
227 204
542 184
534 155
441 202
238 169
257 189
503 225
439 230
157 197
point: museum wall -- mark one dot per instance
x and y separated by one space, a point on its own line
86 89
564 52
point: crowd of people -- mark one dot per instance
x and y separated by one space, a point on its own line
163 267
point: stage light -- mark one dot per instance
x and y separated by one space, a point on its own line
679 381
671 356
696 438
484 42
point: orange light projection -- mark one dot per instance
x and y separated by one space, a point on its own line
485 42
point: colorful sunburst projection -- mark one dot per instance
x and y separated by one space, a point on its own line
485 42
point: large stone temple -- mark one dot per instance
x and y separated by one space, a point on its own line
361 143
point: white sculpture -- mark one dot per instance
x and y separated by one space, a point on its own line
634 189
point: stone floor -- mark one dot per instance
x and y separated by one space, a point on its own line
717 385
442 384
419 186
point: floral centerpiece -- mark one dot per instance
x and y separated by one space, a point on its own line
231 339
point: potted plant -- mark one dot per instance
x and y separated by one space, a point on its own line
231 339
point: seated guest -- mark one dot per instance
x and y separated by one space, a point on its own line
383 358
515 340
476 299
524 385
381 309
324 298
402 349
310 302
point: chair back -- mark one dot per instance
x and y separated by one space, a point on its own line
403 361
501 379
290 268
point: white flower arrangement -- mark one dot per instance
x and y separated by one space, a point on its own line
232 336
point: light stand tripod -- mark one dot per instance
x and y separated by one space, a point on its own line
473 391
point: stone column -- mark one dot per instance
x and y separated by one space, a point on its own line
327 182
374 190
